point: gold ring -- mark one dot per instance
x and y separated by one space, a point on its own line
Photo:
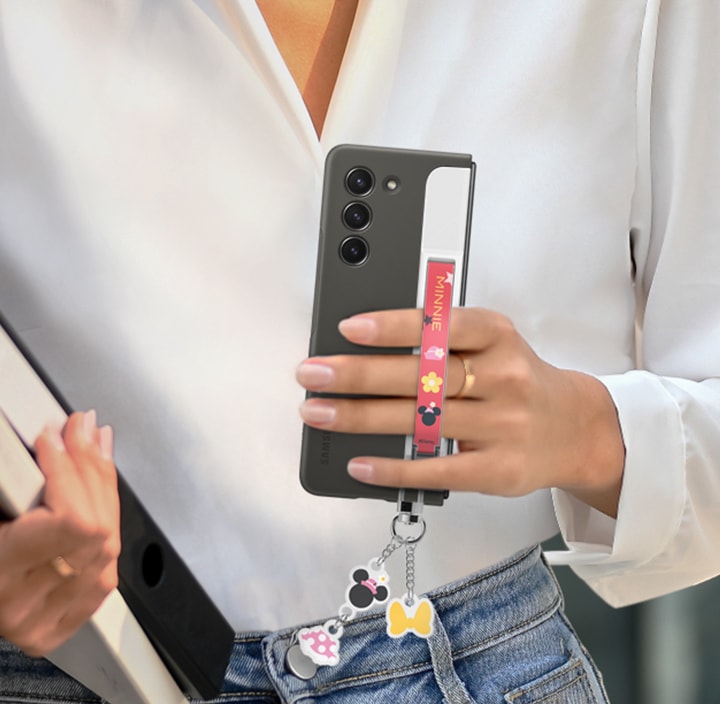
63 567
469 381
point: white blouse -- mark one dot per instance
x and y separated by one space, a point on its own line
159 198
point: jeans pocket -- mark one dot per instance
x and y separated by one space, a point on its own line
568 684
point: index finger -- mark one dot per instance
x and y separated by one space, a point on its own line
470 328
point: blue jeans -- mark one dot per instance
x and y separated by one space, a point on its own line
500 637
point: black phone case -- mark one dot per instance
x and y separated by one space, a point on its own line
388 279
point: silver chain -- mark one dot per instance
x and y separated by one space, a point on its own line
410 573
395 543
338 623
410 543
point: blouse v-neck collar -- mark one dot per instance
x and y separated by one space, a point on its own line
364 82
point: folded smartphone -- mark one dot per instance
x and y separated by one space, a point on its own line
385 214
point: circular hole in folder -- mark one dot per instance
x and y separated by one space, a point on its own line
152 565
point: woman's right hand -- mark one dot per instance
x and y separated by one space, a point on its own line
58 561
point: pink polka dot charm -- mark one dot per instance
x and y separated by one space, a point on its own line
321 643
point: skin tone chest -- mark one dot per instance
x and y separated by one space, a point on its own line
311 37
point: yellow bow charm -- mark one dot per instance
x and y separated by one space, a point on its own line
402 618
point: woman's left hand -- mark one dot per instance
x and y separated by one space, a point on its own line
522 425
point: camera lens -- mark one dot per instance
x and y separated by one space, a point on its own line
354 251
359 182
356 216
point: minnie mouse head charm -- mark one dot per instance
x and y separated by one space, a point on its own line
368 587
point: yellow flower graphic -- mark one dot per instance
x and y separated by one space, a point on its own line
431 383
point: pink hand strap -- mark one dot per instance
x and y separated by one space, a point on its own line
439 283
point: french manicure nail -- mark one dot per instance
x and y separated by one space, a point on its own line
360 470
106 442
90 426
358 328
315 376
320 413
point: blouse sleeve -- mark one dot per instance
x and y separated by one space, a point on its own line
667 533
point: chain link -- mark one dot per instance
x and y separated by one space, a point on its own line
410 573
395 543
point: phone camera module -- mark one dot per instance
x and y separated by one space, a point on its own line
359 181
354 251
357 216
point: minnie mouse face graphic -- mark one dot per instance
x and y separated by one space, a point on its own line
429 414
366 589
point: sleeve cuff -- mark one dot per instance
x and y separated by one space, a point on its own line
653 489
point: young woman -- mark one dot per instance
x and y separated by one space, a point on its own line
159 203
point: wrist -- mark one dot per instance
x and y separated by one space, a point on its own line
601 449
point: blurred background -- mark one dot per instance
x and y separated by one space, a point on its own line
666 651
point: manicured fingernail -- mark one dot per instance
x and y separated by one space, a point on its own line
360 470
320 413
358 328
90 425
106 442
52 433
315 376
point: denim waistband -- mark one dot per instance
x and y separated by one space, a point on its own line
499 635
476 613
